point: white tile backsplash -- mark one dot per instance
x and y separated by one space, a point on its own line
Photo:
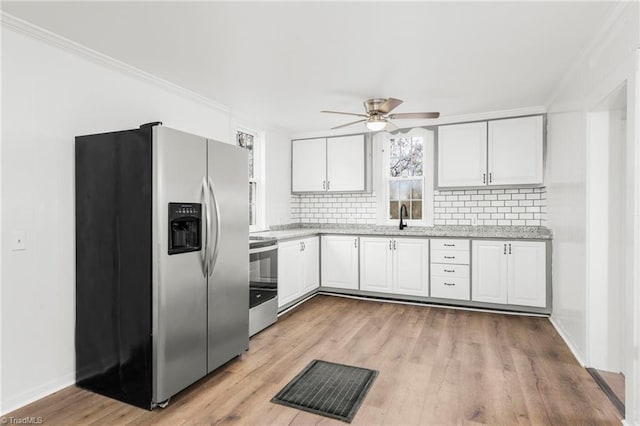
507 207
334 208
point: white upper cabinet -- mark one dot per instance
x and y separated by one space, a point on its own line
491 153
309 165
462 154
335 164
345 163
516 151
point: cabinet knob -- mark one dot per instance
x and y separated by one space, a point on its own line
324 184
328 183
355 242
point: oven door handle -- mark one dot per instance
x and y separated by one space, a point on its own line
263 249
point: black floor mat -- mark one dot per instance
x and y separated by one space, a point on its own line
328 389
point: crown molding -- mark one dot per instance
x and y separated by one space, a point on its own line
18 25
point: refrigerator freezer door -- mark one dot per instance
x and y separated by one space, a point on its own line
229 280
179 284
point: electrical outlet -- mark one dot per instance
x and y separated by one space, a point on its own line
18 241
474 221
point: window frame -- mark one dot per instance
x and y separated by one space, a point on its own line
258 175
428 171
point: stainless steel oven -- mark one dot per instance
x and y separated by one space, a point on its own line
263 284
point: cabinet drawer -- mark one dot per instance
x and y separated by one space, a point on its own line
460 257
450 288
439 244
449 270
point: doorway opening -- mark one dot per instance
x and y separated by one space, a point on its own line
609 243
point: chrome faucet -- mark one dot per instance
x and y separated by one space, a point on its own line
402 224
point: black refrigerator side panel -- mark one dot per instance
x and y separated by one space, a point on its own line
113 265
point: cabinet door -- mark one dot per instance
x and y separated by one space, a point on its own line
462 154
376 264
310 264
527 273
489 272
309 165
516 151
411 266
289 272
339 261
345 163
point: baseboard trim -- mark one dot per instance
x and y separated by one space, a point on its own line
567 341
607 390
430 305
36 393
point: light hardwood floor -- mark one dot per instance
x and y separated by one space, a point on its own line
437 366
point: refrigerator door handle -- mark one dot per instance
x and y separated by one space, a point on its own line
207 215
214 250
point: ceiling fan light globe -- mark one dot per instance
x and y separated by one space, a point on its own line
376 125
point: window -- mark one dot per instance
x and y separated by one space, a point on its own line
407 177
248 141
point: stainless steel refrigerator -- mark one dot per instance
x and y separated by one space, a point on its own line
162 286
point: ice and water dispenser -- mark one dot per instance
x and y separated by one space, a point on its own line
185 227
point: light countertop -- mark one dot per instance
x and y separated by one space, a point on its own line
294 231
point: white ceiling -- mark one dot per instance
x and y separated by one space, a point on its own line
281 63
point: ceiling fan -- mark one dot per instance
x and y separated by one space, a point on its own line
377 114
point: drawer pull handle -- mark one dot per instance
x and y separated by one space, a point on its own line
449 270
449 257
450 284
449 245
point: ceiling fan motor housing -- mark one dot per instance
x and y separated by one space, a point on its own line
373 105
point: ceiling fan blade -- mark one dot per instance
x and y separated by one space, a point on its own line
346 113
348 124
389 105
390 127
415 115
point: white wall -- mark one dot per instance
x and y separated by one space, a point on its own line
50 95
609 62
278 178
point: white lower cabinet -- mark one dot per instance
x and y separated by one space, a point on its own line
527 272
376 269
509 272
450 269
339 261
395 265
298 269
